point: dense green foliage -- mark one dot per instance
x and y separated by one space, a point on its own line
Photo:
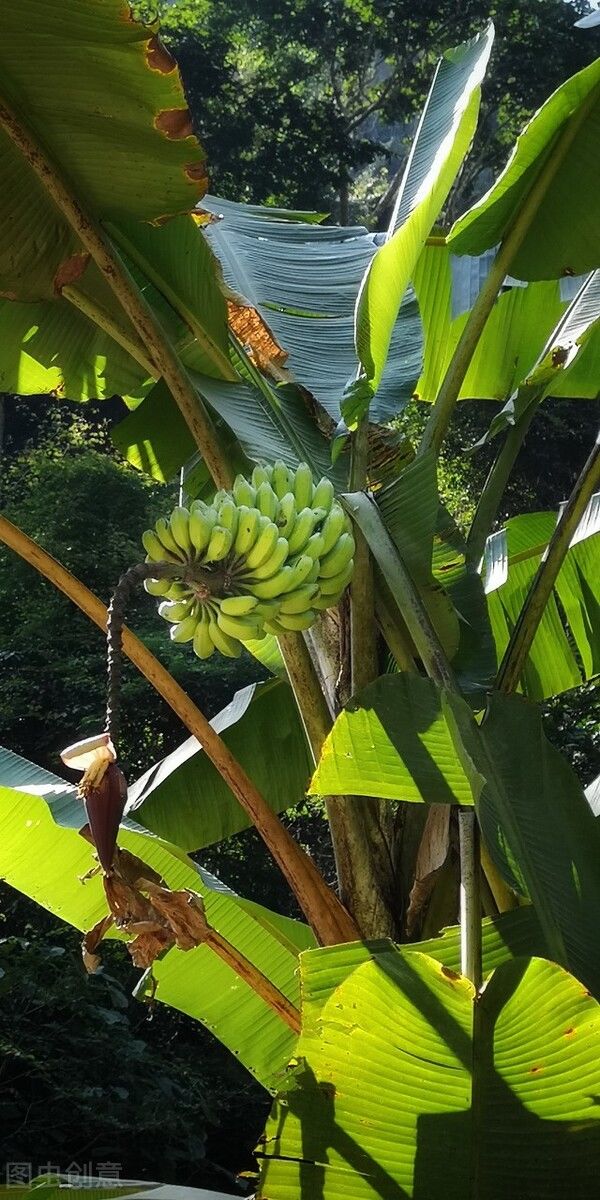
143 1091
310 104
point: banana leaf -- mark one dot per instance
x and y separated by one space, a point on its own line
569 363
404 1087
510 343
304 280
442 614
434 552
183 798
559 142
419 745
566 648
43 855
393 740
126 106
441 142
52 347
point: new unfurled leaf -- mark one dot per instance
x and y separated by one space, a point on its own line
442 139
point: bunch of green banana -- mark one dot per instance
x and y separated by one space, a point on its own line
270 553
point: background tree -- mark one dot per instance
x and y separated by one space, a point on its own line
311 103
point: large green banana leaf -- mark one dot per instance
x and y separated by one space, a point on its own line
406 1088
515 332
46 860
510 935
393 741
442 139
178 270
304 280
569 363
433 551
50 346
404 737
579 334
183 798
561 141
537 823
126 106
566 647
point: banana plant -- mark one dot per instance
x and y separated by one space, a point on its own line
265 354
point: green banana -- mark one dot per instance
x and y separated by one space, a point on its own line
180 527
179 591
163 530
335 585
238 606
154 548
314 546
313 575
333 527
303 528
267 609
322 498
300 600
301 569
229 646
248 528
244 628
228 515
243 492
261 475
266 501
303 486
220 544
185 630
202 522
281 480
297 621
267 589
175 610
338 558
158 587
203 643
275 561
273 626
264 545
288 512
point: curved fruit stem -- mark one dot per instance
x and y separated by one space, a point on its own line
114 271
324 912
